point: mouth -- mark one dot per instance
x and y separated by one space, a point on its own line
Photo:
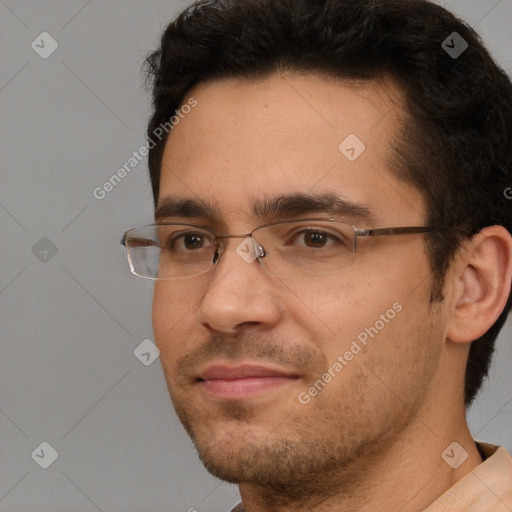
245 381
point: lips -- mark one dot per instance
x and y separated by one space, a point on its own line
241 372
245 381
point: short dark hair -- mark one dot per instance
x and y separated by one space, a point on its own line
456 143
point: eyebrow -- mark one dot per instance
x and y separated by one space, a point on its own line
170 207
292 205
280 207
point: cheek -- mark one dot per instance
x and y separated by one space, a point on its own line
338 306
161 310
172 318
371 311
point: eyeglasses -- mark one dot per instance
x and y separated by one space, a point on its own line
306 247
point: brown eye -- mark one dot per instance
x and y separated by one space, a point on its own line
193 241
188 241
315 239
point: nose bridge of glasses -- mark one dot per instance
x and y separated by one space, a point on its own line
259 250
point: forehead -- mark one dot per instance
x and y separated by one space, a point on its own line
250 139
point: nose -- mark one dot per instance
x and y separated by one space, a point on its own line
240 295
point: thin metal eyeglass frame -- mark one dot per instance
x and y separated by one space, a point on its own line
219 249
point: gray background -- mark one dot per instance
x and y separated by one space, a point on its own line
70 321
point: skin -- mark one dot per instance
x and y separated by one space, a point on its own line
372 438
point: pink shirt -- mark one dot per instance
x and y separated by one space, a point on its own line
488 488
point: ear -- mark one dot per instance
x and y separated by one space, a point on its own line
481 280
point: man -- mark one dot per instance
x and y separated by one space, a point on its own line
332 254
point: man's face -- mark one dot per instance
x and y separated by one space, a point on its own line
242 349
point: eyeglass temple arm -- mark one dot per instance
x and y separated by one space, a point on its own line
396 231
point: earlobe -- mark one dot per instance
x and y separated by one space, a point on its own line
481 284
